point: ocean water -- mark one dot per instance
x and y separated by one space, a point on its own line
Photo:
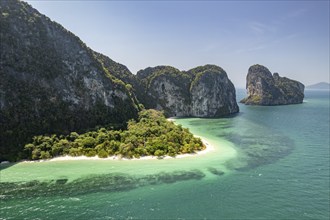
267 163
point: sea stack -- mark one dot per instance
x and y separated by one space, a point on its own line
263 88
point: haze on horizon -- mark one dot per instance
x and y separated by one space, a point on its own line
288 37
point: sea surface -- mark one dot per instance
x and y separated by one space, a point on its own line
267 163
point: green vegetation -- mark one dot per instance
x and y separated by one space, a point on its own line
208 72
206 68
256 99
50 82
151 135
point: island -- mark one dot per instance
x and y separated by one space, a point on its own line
53 83
265 88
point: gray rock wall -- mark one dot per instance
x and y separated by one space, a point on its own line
263 88
51 82
204 91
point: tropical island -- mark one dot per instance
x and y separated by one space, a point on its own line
265 88
53 83
59 97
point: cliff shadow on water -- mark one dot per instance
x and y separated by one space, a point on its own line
6 164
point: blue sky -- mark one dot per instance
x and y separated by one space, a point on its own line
288 37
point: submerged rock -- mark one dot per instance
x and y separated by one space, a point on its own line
61 181
263 88
215 171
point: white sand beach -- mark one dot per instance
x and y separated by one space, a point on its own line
208 149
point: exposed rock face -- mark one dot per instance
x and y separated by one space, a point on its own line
167 89
204 91
263 88
212 93
51 82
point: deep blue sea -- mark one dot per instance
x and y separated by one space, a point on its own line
266 163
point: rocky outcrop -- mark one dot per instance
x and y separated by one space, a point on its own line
51 82
167 89
204 91
263 88
212 93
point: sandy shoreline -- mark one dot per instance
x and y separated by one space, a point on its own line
208 149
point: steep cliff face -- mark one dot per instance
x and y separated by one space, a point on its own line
121 72
212 93
263 88
167 89
51 82
204 91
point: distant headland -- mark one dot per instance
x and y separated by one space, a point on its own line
319 86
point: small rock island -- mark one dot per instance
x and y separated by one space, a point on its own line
263 88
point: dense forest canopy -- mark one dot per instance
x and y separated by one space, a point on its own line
150 135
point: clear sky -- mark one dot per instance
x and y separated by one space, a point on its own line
288 37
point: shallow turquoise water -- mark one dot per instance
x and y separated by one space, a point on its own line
275 162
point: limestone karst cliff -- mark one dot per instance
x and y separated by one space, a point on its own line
51 82
204 91
263 88
212 92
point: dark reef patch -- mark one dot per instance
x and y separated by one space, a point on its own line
112 182
215 171
257 151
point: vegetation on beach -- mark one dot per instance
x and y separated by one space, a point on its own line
151 135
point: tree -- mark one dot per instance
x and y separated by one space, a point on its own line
159 153
73 136
35 154
88 142
152 134
102 154
44 155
